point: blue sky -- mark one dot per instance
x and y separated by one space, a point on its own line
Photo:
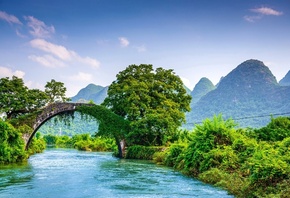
90 41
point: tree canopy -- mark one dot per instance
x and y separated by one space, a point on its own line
154 102
55 91
17 99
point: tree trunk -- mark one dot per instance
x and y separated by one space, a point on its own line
122 148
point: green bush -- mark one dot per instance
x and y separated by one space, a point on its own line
82 145
276 130
50 139
244 147
159 157
82 142
36 146
142 152
212 176
63 141
172 155
11 144
206 137
267 166
223 157
235 184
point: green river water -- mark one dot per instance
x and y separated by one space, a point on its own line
69 173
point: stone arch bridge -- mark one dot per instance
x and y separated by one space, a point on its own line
54 109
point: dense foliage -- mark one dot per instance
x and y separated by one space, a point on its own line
142 152
110 124
277 130
55 91
75 125
11 144
16 99
153 101
83 142
235 159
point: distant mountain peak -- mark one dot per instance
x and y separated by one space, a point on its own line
93 92
203 86
286 80
248 90
249 74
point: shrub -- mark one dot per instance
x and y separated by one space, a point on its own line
212 176
267 166
50 139
142 152
11 144
235 184
244 147
159 157
36 146
206 137
174 151
276 130
223 157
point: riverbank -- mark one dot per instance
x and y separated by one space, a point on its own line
245 162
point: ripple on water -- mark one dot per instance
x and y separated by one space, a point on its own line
71 173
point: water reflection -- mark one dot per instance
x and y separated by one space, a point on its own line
15 174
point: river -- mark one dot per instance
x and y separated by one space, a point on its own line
68 173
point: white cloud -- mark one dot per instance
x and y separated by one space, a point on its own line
267 11
261 12
62 53
57 50
7 72
9 18
81 76
47 60
38 28
124 42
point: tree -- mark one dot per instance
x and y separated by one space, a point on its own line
154 102
11 144
16 99
55 91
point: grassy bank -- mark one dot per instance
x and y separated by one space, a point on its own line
245 162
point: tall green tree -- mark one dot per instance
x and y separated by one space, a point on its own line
16 99
55 91
154 102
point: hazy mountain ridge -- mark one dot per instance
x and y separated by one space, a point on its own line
286 80
250 90
93 92
203 86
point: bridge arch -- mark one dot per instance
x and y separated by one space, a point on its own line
110 124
